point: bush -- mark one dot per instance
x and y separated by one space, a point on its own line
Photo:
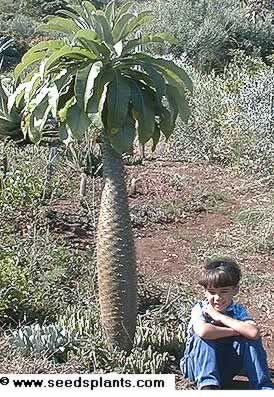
23 185
231 122
9 7
208 30
14 288
38 8
48 340
158 344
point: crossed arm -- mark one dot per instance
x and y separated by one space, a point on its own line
231 327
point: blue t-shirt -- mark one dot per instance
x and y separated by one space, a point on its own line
234 310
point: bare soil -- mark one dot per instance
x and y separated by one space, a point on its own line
211 199
183 213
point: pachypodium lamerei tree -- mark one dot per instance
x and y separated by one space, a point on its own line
93 74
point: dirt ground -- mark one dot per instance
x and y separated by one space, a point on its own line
198 210
183 213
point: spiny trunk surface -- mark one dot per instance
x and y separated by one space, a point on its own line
116 256
83 185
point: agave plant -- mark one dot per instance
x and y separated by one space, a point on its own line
92 75
85 159
7 49
51 340
10 116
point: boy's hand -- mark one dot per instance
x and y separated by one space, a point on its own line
213 313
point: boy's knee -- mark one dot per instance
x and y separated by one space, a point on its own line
202 344
251 342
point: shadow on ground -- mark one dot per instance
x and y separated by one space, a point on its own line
241 382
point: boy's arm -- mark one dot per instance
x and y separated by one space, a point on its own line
248 329
210 331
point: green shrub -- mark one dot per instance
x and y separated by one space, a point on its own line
23 185
158 343
56 275
17 24
231 118
42 8
38 8
9 7
49 340
208 30
15 288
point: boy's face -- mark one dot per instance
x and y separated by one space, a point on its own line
221 298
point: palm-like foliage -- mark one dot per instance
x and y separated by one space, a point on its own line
93 75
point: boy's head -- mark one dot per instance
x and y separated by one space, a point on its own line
220 278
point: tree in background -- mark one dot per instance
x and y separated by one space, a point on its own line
90 78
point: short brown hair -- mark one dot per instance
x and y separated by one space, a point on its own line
220 272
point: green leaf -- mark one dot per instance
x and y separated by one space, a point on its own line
62 113
123 9
178 97
152 77
139 20
100 82
149 38
155 137
59 24
158 81
53 99
64 81
84 83
90 41
70 53
109 12
77 19
173 108
31 87
138 76
166 122
16 97
143 112
89 7
118 97
106 28
120 26
34 121
82 12
3 99
63 132
34 101
27 60
174 72
78 121
40 115
87 34
45 46
175 75
123 139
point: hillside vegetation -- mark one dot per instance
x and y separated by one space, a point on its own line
207 190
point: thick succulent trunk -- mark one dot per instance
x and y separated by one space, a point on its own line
116 256
83 185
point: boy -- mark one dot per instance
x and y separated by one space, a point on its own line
223 340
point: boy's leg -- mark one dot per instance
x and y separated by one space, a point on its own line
229 362
200 363
254 362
